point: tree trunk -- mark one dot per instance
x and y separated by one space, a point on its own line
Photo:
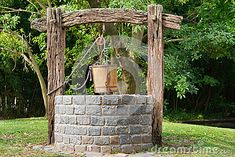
41 82
31 61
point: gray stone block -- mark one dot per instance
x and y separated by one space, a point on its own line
59 100
114 140
137 148
136 139
67 99
146 129
69 110
123 110
125 139
123 121
93 149
69 130
74 139
94 131
141 99
128 100
69 148
83 120
62 109
64 119
109 110
146 120
72 120
58 138
102 140
57 119
111 99
79 100
122 130
59 147
59 128
87 140
150 100
80 149
110 121
78 130
57 107
147 139
135 129
146 146
93 99
79 109
134 120
66 139
93 110
97 121
109 130
137 109
117 149
149 109
127 149
106 149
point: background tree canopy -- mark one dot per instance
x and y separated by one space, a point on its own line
199 60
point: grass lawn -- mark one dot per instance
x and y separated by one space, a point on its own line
18 136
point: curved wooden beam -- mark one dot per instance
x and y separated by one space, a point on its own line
103 15
107 15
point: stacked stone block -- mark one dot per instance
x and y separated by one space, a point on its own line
106 124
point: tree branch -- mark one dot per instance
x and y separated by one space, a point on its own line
9 10
49 3
33 5
44 7
173 40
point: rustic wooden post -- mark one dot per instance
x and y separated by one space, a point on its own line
55 63
155 69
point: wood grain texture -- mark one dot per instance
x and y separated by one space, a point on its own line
106 15
55 62
155 69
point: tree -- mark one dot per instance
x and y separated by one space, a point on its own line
14 44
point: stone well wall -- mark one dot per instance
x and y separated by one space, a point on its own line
106 124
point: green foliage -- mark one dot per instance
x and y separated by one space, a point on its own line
131 4
179 76
7 21
180 115
7 3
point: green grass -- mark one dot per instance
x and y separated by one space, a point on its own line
222 140
17 137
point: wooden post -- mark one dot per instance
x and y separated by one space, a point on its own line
155 69
55 62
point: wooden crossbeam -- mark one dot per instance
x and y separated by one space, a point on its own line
108 15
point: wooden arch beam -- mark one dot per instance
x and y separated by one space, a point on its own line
108 15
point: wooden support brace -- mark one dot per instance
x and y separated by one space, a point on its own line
155 69
55 62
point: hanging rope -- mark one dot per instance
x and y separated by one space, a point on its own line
88 76
99 41
67 79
